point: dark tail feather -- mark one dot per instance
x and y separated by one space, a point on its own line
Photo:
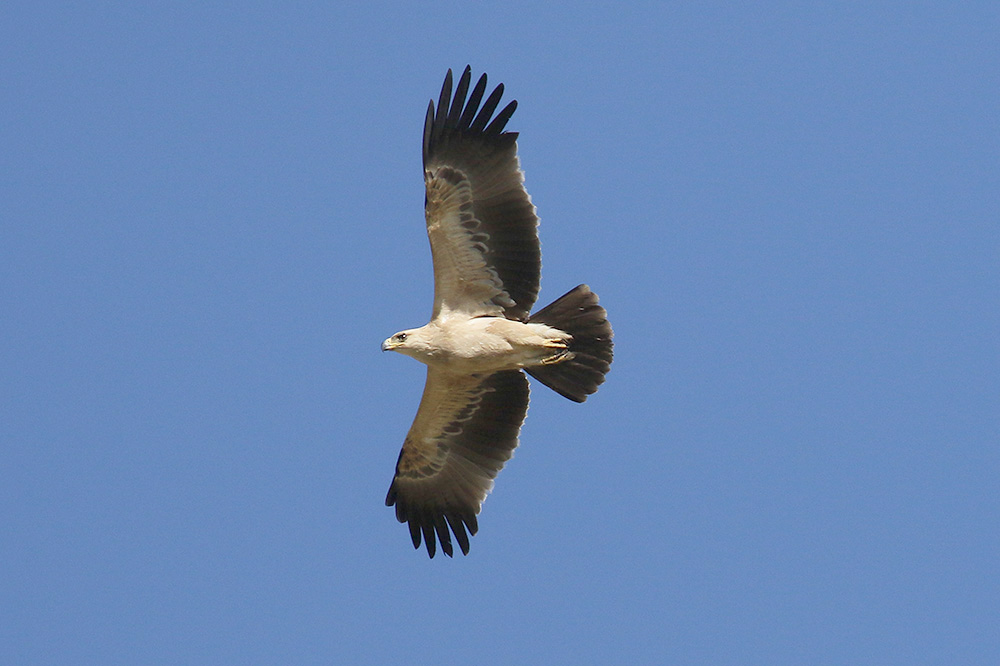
578 314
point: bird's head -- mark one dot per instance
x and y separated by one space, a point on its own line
401 342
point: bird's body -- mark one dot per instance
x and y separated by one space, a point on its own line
482 344
487 265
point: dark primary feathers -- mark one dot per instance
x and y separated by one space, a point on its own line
477 202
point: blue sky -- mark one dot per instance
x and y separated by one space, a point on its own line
211 216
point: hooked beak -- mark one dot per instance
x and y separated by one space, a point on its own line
387 345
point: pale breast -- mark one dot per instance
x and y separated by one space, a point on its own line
491 344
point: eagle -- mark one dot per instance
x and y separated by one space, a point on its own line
482 337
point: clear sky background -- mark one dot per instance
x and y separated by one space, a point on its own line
211 216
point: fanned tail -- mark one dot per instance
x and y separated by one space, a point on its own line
591 349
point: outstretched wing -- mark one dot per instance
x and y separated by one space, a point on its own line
465 431
480 220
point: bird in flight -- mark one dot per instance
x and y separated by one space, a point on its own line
487 265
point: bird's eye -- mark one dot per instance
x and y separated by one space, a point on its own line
401 336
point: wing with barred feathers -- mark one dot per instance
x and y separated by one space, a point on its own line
465 430
480 220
